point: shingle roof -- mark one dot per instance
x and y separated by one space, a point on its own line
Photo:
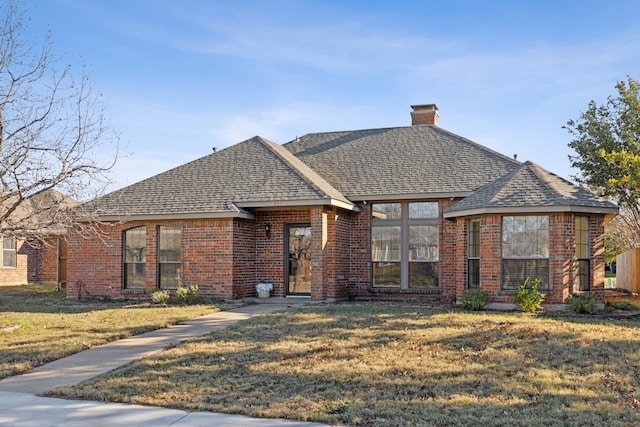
415 160
252 172
340 167
530 186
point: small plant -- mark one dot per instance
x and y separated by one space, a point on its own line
188 295
528 297
475 300
623 305
160 296
583 303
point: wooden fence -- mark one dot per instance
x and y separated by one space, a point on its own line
628 270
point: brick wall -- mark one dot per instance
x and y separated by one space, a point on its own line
17 275
95 266
561 254
43 261
226 257
244 258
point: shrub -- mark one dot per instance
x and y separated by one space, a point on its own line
583 303
623 305
475 300
528 297
188 295
160 296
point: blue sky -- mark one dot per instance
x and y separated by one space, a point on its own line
181 77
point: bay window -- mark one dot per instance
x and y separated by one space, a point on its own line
473 254
582 276
525 250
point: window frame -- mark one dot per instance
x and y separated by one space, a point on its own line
582 254
11 251
473 256
408 217
534 264
162 263
141 264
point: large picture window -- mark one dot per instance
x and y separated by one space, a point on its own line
473 254
8 252
135 258
525 250
582 276
405 244
169 257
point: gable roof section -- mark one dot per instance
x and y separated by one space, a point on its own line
530 189
252 173
400 162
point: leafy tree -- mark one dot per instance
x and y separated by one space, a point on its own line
617 237
606 139
55 141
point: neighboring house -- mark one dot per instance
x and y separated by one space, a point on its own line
405 212
41 259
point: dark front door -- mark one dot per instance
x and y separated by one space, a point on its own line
299 259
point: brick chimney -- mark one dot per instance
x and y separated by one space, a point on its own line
426 114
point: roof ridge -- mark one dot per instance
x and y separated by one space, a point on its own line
341 131
476 144
311 177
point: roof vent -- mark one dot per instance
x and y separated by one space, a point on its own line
426 114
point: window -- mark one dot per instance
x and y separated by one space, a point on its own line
8 252
525 250
405 244
169 257
473 254
582 276
135 258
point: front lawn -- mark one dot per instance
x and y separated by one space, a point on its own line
39 325
368 365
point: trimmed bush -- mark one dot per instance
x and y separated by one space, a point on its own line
583 303
188 295
528 297
475 300
160 296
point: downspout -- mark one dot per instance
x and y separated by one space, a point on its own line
58 263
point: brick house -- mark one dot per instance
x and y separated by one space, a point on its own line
402 212
41 259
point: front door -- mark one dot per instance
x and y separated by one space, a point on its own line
299 259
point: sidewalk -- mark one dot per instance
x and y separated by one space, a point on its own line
19 405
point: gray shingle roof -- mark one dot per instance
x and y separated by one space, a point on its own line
252 172
413 160
340 167
530 186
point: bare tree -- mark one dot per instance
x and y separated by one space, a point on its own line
56 145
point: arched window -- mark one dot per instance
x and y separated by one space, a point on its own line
135 258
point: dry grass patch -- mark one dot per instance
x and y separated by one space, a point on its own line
388 366
39 325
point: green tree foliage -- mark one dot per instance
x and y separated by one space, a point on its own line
606 139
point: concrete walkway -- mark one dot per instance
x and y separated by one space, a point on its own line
19 405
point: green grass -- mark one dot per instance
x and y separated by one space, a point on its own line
367 365
39 325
